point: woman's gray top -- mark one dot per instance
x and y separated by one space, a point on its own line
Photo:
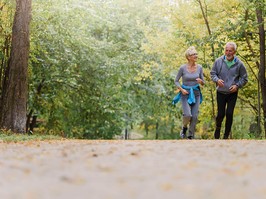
189 78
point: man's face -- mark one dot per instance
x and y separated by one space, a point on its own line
229 52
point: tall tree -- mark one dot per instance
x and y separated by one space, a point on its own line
204 11
15 88
260 10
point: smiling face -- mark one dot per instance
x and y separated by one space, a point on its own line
193 57
229 52
191 54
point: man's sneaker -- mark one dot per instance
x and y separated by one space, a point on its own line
217 133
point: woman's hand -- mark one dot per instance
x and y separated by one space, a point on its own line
184 91
200 81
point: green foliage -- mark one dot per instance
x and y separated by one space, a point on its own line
7 9
84 57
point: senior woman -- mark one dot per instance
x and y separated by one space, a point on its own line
189 92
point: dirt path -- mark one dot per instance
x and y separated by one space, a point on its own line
200 169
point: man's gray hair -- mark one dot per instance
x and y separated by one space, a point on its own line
230 43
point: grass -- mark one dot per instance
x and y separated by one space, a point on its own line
7 136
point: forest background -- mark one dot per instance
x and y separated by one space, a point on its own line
101 68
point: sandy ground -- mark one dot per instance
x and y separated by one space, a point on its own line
200 169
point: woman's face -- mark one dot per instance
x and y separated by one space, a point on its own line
229 52
193 57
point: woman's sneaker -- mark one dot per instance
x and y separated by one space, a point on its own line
183 133
190 137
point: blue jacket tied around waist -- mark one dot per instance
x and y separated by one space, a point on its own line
191 97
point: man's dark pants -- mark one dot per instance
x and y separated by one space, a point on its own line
226 105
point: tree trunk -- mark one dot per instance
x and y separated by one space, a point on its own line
4 60
28 120
35 101
247 38
262 79
146 128
126 134
15 88
157 131
205 17
33 123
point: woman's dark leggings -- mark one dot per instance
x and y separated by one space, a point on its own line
226 105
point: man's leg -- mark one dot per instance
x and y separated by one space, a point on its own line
221 103
231 102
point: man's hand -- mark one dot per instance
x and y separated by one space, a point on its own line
233 88
220 83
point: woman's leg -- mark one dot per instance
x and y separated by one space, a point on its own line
194 118
186 115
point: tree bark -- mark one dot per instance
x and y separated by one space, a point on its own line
205 17
15 87
4 60
157 131
262 79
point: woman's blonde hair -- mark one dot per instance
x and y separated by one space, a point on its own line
190 51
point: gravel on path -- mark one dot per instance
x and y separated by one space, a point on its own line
133 169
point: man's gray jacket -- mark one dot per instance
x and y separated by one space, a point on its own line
235 75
